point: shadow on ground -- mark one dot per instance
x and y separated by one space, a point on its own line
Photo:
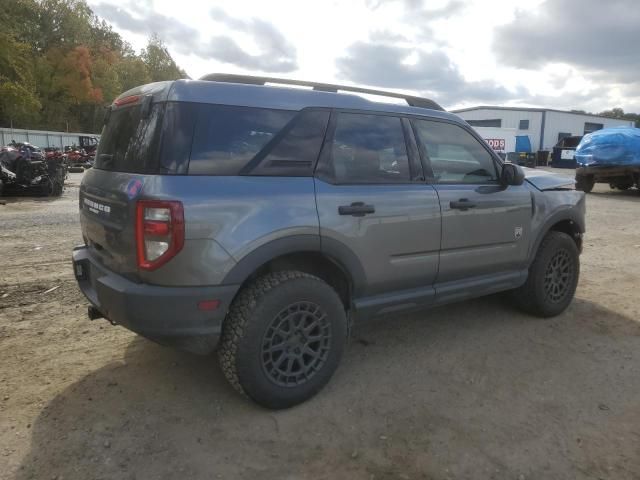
473 390
631 195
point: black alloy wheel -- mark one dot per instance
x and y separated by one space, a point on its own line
558 276
552 278
296 344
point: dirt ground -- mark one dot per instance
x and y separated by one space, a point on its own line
474 390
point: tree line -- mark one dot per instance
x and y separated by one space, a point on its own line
620 113
60 65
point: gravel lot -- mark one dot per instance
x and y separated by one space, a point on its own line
474 390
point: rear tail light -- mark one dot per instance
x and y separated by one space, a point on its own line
159 232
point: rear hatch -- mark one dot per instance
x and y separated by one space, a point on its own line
126 156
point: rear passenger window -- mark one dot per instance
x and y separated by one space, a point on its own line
369 149
226 138
454 154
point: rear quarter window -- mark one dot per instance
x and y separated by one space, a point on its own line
227 138
295 150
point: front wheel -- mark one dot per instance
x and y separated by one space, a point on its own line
553 277
283 338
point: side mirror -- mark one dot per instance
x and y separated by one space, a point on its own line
511 174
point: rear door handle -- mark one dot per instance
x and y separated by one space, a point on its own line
357 209
462 204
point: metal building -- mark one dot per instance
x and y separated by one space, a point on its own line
544 126
41 138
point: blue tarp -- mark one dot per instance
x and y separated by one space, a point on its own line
610 147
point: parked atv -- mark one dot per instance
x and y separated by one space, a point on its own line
24 172
78 159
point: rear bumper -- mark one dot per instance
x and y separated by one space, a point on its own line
168 315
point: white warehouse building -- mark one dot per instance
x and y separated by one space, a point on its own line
544 126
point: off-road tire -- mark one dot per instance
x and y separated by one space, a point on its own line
251 318
46 189
585 183
57 189
535 296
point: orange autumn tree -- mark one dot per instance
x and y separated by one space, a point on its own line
60 65
76 77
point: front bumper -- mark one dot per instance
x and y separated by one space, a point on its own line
167 315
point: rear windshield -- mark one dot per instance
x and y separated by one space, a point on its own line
128 142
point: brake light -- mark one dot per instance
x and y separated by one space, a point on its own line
126 100
159 232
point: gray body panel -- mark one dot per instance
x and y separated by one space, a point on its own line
552 207
482 240
544 180
239 210
398 245
226 218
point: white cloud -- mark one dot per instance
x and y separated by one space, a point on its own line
454 50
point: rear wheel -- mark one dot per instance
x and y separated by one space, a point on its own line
283 338
624 184
585 183
553 277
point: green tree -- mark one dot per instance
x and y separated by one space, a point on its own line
103 37
160 64
104 75
619 113
132 71
60 65
19 104
62 24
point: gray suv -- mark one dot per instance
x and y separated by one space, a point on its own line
264 220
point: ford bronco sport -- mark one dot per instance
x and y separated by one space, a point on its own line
262 220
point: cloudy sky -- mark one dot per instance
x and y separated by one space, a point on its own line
568 54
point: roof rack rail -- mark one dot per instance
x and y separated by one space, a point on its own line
323 87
